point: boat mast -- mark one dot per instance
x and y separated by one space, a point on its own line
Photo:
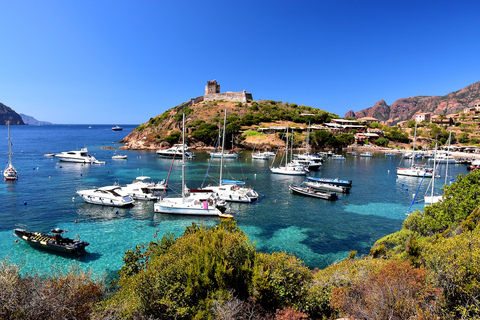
434 168
308 136
414 139
286 149
223 144
448 154
9 146
183 158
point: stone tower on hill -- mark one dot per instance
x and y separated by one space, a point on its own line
212 92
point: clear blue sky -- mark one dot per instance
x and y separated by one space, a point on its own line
122 62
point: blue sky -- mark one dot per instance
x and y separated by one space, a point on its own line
122 62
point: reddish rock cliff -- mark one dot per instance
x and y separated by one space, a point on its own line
405 109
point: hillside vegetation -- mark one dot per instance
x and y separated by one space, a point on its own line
204 119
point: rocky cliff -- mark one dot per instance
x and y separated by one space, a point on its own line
7 114
405 109
32 121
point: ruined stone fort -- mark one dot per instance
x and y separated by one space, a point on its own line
212 93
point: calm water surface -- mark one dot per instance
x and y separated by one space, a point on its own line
317 231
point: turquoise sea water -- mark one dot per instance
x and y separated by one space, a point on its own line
317 231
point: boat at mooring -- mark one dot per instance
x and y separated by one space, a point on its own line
306 191
53 241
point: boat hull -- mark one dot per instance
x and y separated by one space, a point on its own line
47 242
287 171
313 193
194 208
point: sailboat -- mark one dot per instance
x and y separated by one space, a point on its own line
434 199
413 155
202 204
10 173
259 155
289 168
229 190
311 161
414 170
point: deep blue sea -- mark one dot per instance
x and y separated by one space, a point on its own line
317 231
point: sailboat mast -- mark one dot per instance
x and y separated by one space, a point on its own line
9 145
286 149
183 157
434 168
448 154
308 136
414 139
223 145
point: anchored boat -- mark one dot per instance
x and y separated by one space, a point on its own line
53 241
306 191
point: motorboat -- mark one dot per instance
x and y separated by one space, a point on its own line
80 156
117 128
390 154
140 189
201 204
232 154
49 154
53 241
112 196
260 156
176 152
306 191
119 157
366 154
445 158
231 191
311 165
151 185
337 182
10 173
415 171
326 186
338 157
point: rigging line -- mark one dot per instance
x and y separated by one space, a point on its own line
170 171
419 185
211 159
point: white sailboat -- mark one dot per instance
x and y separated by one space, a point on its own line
434 199
289 168
10 173
231 191
203 204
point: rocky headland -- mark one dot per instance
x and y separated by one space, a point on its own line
7 114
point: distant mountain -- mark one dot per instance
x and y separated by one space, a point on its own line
7 114
405 109
32 121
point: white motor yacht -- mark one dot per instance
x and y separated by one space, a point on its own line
81 156
176 151
260 156
445 158
107 196
232 154
151 185
415 171
140 189
229 190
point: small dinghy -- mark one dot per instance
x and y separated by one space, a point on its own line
53 241
306 191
